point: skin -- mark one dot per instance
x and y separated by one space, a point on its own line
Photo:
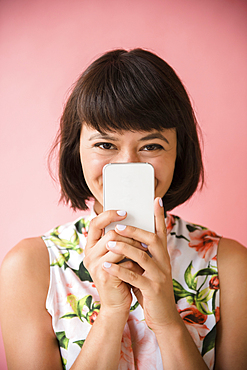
97 150
25 277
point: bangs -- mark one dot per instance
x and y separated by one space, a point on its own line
126 93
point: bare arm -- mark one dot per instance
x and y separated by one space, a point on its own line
29 340
231 353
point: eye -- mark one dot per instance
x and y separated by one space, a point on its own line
105 146
152 147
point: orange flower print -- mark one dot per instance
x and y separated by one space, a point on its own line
192 315
144 344
93 316
214 283
126 361
195 323
170 222
217 314
205 243
84 232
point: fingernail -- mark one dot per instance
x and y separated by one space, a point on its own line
161 202
144 245
111 244
121 213
121 227
107 265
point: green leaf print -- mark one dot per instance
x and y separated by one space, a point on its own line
84 274
62 339
190 299
64 363
63 259
205 295
80 342
207 271
71 299
85 301
180 292
72 244
132 308
189 278
82 225
78 306
96 305
69 316
213 301
209 341
201 297
75 239
201 300
193 227
179 236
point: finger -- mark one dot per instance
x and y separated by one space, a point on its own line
147 239
156 243
126 275
98 224
131 265
139 256
160 226
112 257
116 256
133 232
142 235
118 239
110 237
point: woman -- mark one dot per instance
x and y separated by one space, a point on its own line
67 302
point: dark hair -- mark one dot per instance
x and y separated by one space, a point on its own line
129 90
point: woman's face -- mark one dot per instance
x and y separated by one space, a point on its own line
158 148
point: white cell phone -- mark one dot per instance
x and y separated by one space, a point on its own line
130 187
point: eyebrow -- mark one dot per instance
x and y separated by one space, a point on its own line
152 136
155 135
102 135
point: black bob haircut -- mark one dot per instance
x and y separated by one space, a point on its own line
129 90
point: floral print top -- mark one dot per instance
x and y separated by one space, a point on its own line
74 303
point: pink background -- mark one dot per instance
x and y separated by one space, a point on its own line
45 45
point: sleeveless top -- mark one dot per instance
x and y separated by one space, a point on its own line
74 303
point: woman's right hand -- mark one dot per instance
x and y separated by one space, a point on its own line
114 293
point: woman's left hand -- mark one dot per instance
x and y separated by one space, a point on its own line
152 284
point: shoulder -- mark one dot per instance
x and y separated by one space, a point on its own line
232 268
26 264
28 252
231 255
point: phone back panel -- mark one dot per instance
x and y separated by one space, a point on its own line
130 187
